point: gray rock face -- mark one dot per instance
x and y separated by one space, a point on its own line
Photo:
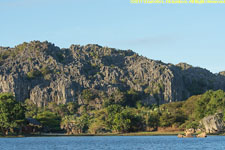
213 123
42 72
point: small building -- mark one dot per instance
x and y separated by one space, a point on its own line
32 126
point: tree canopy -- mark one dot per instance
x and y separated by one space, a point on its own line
12 113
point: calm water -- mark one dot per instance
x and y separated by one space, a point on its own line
113 143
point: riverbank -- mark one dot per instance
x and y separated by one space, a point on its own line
155 133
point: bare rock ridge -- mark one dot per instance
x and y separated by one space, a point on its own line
213 123
42 72
222 73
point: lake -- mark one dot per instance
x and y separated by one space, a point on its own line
113 143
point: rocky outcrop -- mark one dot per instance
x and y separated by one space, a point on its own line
189 133
222 73
213 123
42 72
202 135
180 135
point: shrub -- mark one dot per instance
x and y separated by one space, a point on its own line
45 71
33 74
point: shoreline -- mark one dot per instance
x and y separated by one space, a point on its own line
156 133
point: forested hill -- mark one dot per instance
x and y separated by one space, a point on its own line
94 75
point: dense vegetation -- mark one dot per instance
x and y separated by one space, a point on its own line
11 113
115 116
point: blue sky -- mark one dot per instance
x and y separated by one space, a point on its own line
173 33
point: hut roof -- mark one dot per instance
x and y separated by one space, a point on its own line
33 121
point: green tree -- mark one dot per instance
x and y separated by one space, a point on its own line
111 111
166 120
31 109
127 121
98 122
153 120
12 113
224 116
132 97
75 125
87 96
119 97
210 103
49 119
122 122
121 119
72 107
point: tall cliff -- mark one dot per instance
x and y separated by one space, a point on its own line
42 72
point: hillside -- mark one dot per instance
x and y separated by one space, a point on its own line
204 111
94 75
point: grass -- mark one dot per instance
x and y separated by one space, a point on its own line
12 136
155 133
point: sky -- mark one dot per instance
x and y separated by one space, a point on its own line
172 33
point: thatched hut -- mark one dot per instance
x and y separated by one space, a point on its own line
32 126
